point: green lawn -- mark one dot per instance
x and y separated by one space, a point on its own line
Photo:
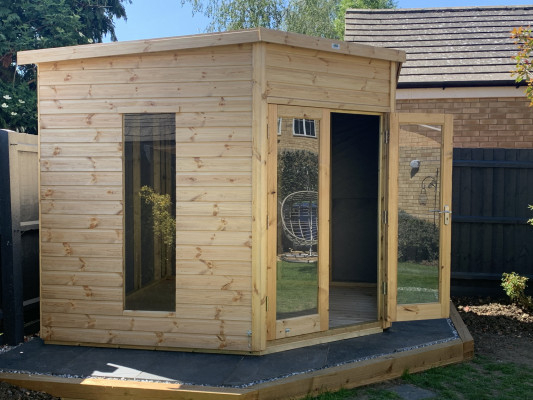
480 379
417 283
296 287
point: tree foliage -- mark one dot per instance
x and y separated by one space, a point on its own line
38 24
323 18
524 58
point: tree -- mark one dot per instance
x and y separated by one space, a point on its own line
524 58
324 18
37 24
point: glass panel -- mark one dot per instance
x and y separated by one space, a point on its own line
150 211
297 244
418 216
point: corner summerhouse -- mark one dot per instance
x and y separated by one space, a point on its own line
236 192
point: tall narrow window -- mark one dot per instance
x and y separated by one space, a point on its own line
150 211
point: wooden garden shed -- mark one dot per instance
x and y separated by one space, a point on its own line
235 192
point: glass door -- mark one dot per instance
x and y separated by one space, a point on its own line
419 208
298 226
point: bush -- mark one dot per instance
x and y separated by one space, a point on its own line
418 240
514 286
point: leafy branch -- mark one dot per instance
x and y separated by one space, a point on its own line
164 222
524 66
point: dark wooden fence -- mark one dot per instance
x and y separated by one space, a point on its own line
490 235
19 236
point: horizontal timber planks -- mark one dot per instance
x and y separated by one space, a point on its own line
213 164
214 267
193 134
82 264
80 120
209 253
97 207
56 235
81 178
320 61
220 282
81 221
307 78
233 149
214 297
208 208
214 179
139 102
211 223
224 55
140 338
76 164
146 324
214 311
81 307
82 249
67 278
147 75
214 238
75 149
208 194
81 293
81 193
81 135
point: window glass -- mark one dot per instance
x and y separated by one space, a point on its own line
150 211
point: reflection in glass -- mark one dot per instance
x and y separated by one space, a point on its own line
297 244
418 216
150 212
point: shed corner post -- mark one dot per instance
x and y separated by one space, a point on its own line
259 197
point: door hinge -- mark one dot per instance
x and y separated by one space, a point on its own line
384 287
268 132
386 136
266 302
267 222
385 217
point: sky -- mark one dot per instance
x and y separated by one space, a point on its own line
148 19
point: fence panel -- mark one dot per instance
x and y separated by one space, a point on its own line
491 192
19 225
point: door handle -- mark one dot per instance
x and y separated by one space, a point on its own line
446 213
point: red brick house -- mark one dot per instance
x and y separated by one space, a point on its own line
459 61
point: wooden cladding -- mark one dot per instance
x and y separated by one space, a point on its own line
206 93
216 95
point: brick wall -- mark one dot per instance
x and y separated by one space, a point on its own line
482 122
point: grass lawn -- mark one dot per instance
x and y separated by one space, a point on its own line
417 283
480 379
297 286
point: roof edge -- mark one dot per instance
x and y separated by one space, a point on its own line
206 40
450 84
433 9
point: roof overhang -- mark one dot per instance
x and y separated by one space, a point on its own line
206 40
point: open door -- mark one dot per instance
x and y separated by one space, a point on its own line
298 221
418 217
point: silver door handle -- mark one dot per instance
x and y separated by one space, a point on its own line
446 213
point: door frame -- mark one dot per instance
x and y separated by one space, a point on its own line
278 329
440 309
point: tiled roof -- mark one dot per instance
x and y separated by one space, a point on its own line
445 46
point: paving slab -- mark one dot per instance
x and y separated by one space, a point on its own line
221 370
412 392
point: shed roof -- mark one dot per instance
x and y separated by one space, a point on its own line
452 46
205 40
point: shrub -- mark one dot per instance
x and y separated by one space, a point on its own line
418 240
514 286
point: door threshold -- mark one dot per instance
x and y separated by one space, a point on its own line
332 335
